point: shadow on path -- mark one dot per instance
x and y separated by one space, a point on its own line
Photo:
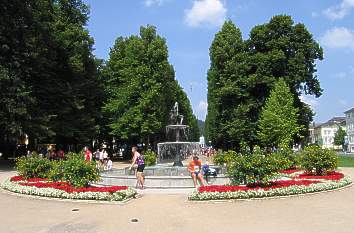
7 165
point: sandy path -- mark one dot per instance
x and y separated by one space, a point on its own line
156 212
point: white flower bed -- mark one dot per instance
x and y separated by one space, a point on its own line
56 193
260 193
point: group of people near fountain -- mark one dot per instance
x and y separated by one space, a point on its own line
100 156
194 167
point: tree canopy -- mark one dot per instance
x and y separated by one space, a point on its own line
339 137
58 92
278 119
141 89
48 69
243 72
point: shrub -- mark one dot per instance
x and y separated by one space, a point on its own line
34 166
224 158
255 168
286 158
150 158
57 171
75 170
318 161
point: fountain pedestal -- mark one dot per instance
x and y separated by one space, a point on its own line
178 148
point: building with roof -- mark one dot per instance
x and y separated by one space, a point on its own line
349 119
323 134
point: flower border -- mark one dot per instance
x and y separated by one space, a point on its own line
260 193
120 195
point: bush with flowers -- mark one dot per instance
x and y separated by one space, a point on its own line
150 158
300 184
75 170
313 159
259 174
33 166
69 179
60 189
255 168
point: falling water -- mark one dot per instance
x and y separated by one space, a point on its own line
177 148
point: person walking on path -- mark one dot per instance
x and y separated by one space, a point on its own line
139 160
195 167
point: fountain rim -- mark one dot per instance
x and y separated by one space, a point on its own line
177 126
177 143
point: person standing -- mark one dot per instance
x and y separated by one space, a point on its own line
61 154
139 160
88 154
97 155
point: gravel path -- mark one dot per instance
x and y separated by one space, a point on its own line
165 212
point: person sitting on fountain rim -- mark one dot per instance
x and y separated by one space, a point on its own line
194 168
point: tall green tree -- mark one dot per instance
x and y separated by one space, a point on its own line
339 137
141 89
282 49
77 94
25 55
225 94
46 54
242 74
14 101
278 119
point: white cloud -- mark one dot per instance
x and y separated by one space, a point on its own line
309 100
150 3
338 37
205 12
201 109
339 11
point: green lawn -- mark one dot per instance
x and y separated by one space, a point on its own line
344 161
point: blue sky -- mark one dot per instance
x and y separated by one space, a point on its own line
190 25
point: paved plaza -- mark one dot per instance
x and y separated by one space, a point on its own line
171 212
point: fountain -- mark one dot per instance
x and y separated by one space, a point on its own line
178 148
169 171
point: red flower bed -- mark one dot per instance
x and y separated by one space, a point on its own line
329 176
290 171
36 179
274 185
43 183
16 178
21 178
70 189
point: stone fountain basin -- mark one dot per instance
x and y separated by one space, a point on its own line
157 177
160 170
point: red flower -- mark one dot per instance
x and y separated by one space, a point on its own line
21 178
16 178
329 176
274 185
36 179
70 189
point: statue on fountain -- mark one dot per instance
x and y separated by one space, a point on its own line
177 148
175 117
